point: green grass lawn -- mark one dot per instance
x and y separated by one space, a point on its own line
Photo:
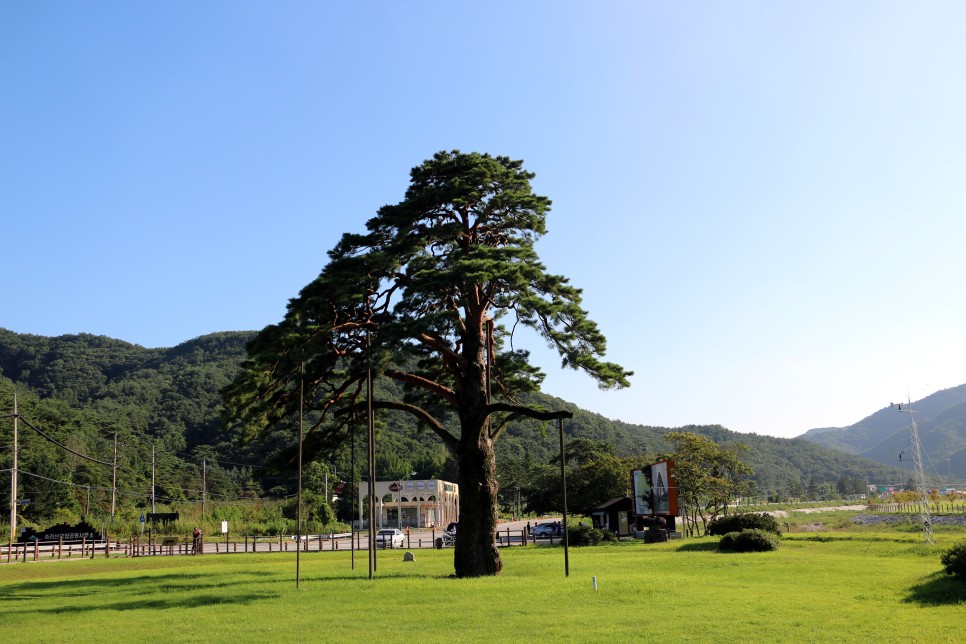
817 587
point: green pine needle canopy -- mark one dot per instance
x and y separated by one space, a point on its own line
430 297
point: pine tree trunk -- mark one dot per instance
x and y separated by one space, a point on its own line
476 552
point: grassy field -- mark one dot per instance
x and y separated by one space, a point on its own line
818 587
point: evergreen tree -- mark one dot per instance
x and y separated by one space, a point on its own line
437 284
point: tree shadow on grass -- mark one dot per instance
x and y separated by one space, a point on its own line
163 603
79 587
131 593
938 589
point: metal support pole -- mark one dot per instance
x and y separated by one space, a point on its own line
563 485
372 463
298 525
352 496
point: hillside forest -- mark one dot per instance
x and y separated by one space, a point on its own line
81 397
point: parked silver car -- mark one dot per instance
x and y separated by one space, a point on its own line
546 530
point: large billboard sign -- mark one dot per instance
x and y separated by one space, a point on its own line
641 484
655 491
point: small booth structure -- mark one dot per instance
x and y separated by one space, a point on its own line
614 515
413 504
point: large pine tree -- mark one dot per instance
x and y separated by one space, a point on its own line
429 297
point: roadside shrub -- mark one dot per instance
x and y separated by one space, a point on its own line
744 521
752 540
953 560
585 535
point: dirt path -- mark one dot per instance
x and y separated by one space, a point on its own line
783 513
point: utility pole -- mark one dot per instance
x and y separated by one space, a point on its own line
13 483
152 478
114 480
204 485
921 497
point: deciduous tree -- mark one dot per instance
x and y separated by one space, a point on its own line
708 476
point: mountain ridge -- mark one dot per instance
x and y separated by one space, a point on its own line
883 435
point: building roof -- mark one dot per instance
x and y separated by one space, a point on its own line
611 503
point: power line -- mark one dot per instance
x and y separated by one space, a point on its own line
61 445
135 493
132 472
214 460
81 485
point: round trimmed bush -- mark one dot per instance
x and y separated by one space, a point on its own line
954 560
752 540
585 535
743 521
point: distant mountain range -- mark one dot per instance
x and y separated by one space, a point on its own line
885 437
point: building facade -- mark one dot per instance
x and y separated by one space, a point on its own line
413 503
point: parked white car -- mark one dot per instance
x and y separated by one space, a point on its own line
393 538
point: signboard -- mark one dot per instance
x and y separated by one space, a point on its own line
224 527
394 487
164 518
69 533
641 484
661 488
655 491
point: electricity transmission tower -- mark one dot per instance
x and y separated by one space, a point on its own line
921 497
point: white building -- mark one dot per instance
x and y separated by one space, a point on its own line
413 504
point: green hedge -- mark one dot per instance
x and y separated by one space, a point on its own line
954 560
585 535
752 540
744 521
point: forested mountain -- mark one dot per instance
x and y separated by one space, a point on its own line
81 390
883 436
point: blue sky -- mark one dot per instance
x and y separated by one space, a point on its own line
763 202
